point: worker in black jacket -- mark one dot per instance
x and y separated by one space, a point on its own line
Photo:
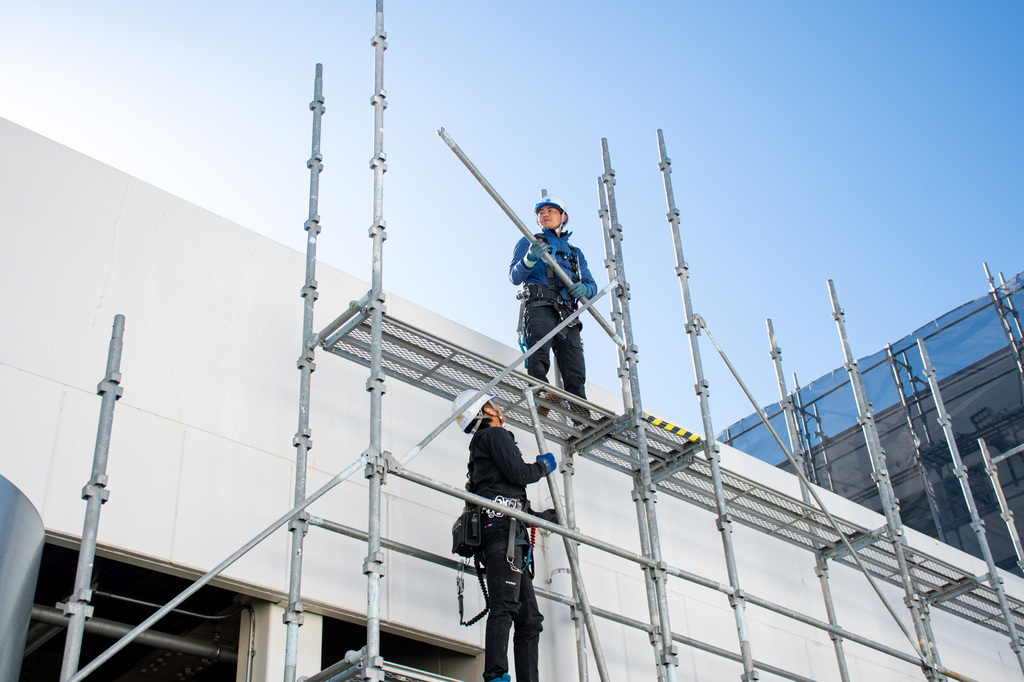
497 471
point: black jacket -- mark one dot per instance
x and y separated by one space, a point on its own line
496 467
497 471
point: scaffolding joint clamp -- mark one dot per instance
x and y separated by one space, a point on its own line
724 522
380 38
314 164
293 614
313 222
109 385
96 488
300 522
79 605
374 564
670 657
375 382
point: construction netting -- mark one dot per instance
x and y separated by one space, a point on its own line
976 351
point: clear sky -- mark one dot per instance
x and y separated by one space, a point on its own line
879 144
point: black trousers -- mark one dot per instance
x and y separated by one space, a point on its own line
540 319
513 603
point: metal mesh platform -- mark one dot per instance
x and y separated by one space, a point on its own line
432 364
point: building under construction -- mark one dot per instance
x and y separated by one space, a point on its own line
264 486
977 356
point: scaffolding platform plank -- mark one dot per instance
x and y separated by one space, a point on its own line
425 361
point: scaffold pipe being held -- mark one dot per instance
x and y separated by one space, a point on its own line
605 325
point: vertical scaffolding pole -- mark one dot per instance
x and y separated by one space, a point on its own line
805 434
821 564
646 489
571 550
298 526
929 489
376 466
1004 509
977 524
890 504
95 493
1015 345
711 448
637 494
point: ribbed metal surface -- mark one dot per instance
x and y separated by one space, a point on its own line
429 363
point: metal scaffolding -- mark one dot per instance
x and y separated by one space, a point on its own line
659 457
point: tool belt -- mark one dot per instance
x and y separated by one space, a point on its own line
542 294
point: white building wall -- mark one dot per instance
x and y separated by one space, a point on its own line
201 457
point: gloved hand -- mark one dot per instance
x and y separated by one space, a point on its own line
537 250
580 290
549 515
548 460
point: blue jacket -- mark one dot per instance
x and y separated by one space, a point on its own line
519 274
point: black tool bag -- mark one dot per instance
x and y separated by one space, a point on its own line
466 532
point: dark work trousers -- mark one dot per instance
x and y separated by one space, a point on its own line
540 319
512 602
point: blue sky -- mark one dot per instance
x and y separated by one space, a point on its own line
875 143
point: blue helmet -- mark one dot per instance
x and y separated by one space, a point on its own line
550 200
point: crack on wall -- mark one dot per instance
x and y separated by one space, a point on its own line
113 249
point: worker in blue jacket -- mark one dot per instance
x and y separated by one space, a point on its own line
547 300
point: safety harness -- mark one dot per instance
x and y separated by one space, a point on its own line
548 294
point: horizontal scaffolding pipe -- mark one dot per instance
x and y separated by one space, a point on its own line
351 660
835 527
682 639
158 640
328 336
416 449
623 620
524 230
131 636
1009 453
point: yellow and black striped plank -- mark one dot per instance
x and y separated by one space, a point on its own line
672 428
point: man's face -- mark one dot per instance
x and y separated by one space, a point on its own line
549 217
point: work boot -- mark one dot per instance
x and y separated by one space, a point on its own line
503 678
549 397
583 412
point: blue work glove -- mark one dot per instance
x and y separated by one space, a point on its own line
537 250
580 290
548 460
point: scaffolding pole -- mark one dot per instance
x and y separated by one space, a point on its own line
711 447
820 562
298 527
1015 344
1004 509
994 579
929 489
523 229
890 504
376 464
571 551
804 430
668 660
622 371
95 493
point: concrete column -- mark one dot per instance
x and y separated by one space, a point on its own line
268 644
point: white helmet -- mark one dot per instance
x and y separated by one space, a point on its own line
550 200
468 414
